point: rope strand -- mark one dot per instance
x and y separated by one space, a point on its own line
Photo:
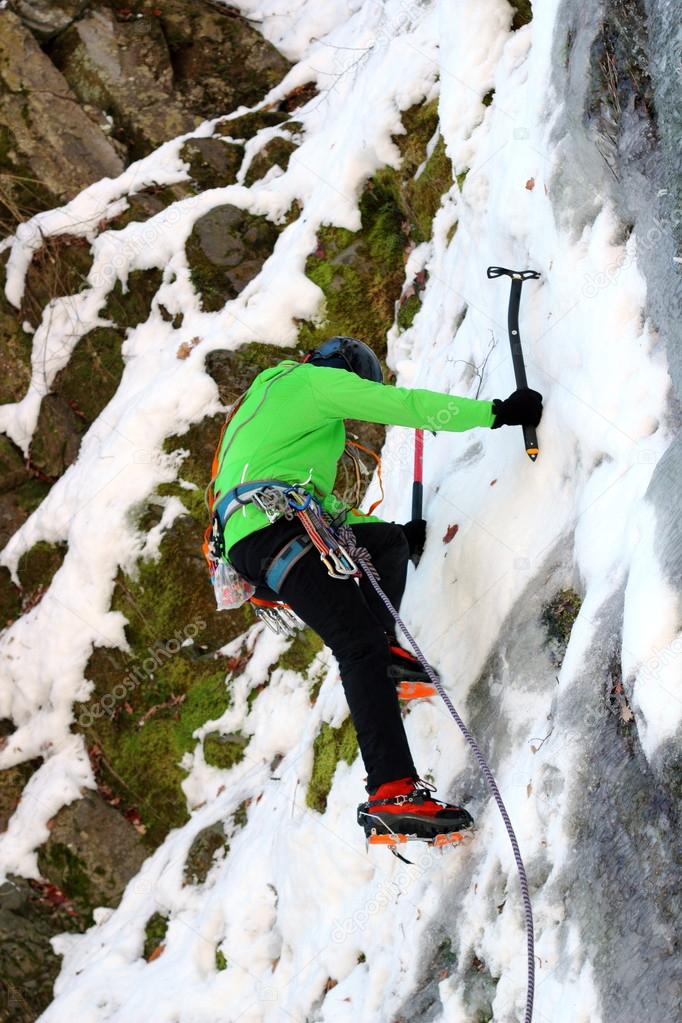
361 555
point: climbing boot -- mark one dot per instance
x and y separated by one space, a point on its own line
406 810
412 682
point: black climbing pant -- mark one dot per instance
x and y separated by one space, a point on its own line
354 623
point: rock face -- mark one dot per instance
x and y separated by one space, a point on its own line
47 17
226 249
124 69
44 134
92 853
159 71
132 77
219 60
30 915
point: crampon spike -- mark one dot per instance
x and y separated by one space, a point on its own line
394 839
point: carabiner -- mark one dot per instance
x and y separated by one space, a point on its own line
295 496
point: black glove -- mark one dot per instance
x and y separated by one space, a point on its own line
522 408
415 532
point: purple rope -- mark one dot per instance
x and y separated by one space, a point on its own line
362 557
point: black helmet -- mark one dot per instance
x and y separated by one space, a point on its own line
348 353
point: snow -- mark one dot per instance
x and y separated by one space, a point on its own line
298 902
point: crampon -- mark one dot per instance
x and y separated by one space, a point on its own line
406 811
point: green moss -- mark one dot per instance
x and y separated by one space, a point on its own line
241 814
302 651
420 197
212 162
315 688
193 500
253 695
202 853
408 310
220 960
10 599
523 13
90 379
59 268
558 617
15 354
224 751
130 305
488 98
420 123
246 126
276 152
446 957
148 702
57 859
361 274
31 493
461 178
38 565
331 745
423 196
199 443
154 933
143 750
173 594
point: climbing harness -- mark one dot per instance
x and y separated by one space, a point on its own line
276 499
362 557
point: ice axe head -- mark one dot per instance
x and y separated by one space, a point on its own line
519 275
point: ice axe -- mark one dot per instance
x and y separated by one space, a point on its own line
518 277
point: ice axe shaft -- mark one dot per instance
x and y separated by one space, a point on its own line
418 478
418 486
517 279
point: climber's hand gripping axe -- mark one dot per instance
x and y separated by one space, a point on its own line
518 277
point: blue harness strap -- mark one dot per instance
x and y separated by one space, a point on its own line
241 495
284 561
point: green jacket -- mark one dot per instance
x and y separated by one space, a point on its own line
290 427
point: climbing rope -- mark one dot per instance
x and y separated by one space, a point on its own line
362 557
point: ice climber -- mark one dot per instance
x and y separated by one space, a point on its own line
289 428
